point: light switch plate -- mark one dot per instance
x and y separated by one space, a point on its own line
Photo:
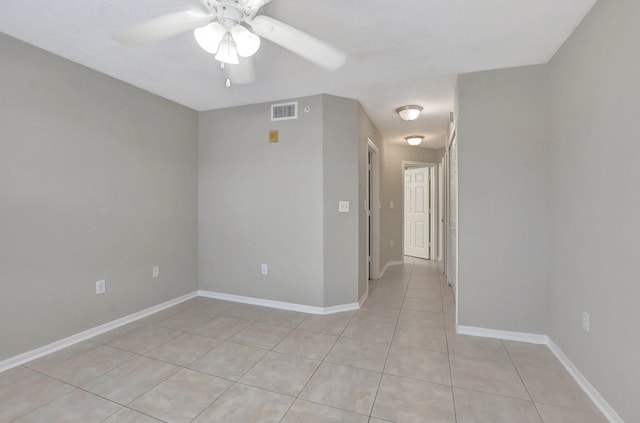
101 286
343 206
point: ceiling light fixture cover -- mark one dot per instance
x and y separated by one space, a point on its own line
247 43
210 36
409 112
227 46
414 139
227 52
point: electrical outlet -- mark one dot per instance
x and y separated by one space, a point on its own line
155 272
343 206
101 286
391 243
264 269
585 321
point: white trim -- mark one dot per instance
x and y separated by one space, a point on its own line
598 400
89 333
279 304
390 263
364 296
375 206
531 338
587 387
340 308
452 134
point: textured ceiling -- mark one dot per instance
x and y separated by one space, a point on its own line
399 52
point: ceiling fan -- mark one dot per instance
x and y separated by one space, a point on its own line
219 30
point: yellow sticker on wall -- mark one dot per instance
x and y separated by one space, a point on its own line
273 135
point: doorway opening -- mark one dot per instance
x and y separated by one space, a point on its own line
420 210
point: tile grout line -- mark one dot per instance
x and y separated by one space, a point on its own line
255 364
453 397
375 397
405 284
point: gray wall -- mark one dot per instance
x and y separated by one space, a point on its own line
503 209
97 181
340 182
564 134
262 202
391 189
277 203
595 156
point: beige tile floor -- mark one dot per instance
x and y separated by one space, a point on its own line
397 359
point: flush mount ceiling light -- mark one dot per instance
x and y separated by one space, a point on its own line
414 139
409 112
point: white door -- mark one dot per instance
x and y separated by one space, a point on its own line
416 212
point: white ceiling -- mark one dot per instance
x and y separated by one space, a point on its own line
399 52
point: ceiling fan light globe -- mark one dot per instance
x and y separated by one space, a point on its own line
227 52
209 36
247 43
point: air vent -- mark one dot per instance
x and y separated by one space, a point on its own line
284 111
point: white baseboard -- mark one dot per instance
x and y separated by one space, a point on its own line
387 264
599 401
89 333
587 387
362 299
340 308
95 331
279 304
503 334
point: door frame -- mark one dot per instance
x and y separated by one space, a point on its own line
373 228
441 210
451 210
433 199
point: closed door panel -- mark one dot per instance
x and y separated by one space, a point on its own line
419 200
419 235
408 234
416 212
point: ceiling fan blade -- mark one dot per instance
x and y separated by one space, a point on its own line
299 42
255 4
163 27
242 73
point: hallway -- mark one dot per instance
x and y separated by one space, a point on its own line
397 359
